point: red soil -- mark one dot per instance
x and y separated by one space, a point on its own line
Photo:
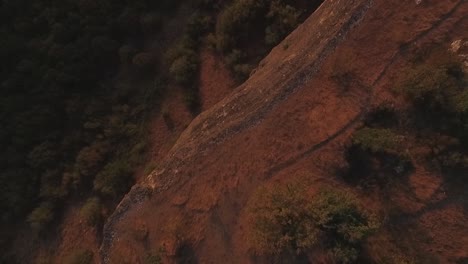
216 81
293 118
215 84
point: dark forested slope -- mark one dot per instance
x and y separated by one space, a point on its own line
79 80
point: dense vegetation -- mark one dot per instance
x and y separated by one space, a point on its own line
247 29
436 86
70 127
80 78
286 222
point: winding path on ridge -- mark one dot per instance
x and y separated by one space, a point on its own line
251 103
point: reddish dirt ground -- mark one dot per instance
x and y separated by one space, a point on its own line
215 84
216 81
293 118
76 235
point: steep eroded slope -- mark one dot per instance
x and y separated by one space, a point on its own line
292 117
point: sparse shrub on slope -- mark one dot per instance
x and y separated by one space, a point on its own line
184 68
237 21
377 140
284 18
344 223
281 221
80 257
284 219
91 211
114 180
154 258
376 155
184 61
254 27
41 217
436 85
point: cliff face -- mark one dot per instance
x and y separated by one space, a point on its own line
292 117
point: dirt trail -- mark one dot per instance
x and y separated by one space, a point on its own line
291 110
204 130
366 107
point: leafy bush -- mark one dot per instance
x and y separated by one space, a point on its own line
153 259
281 221
429 87
91 211
436 86
284 219
115 179
184 69
42 216
284 19
51 186
437 89
80 257
344 223
377 140
90 158
197 26
236 22
375 156
339 213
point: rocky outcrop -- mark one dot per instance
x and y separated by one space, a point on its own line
292 116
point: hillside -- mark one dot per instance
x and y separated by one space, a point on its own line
293 120
95 93
233 131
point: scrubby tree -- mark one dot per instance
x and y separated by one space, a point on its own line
281 221
286 220
91 211
81 256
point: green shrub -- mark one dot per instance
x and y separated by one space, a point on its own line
42 216
429 87
285 220
80 257
235 61
284 18
43 155
184 69
115 179
340 214
236 21
281 221
90 158
91 211
437 89
197 26
436 86
376 156
377 140
153 259
51 187
40 259
344 222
